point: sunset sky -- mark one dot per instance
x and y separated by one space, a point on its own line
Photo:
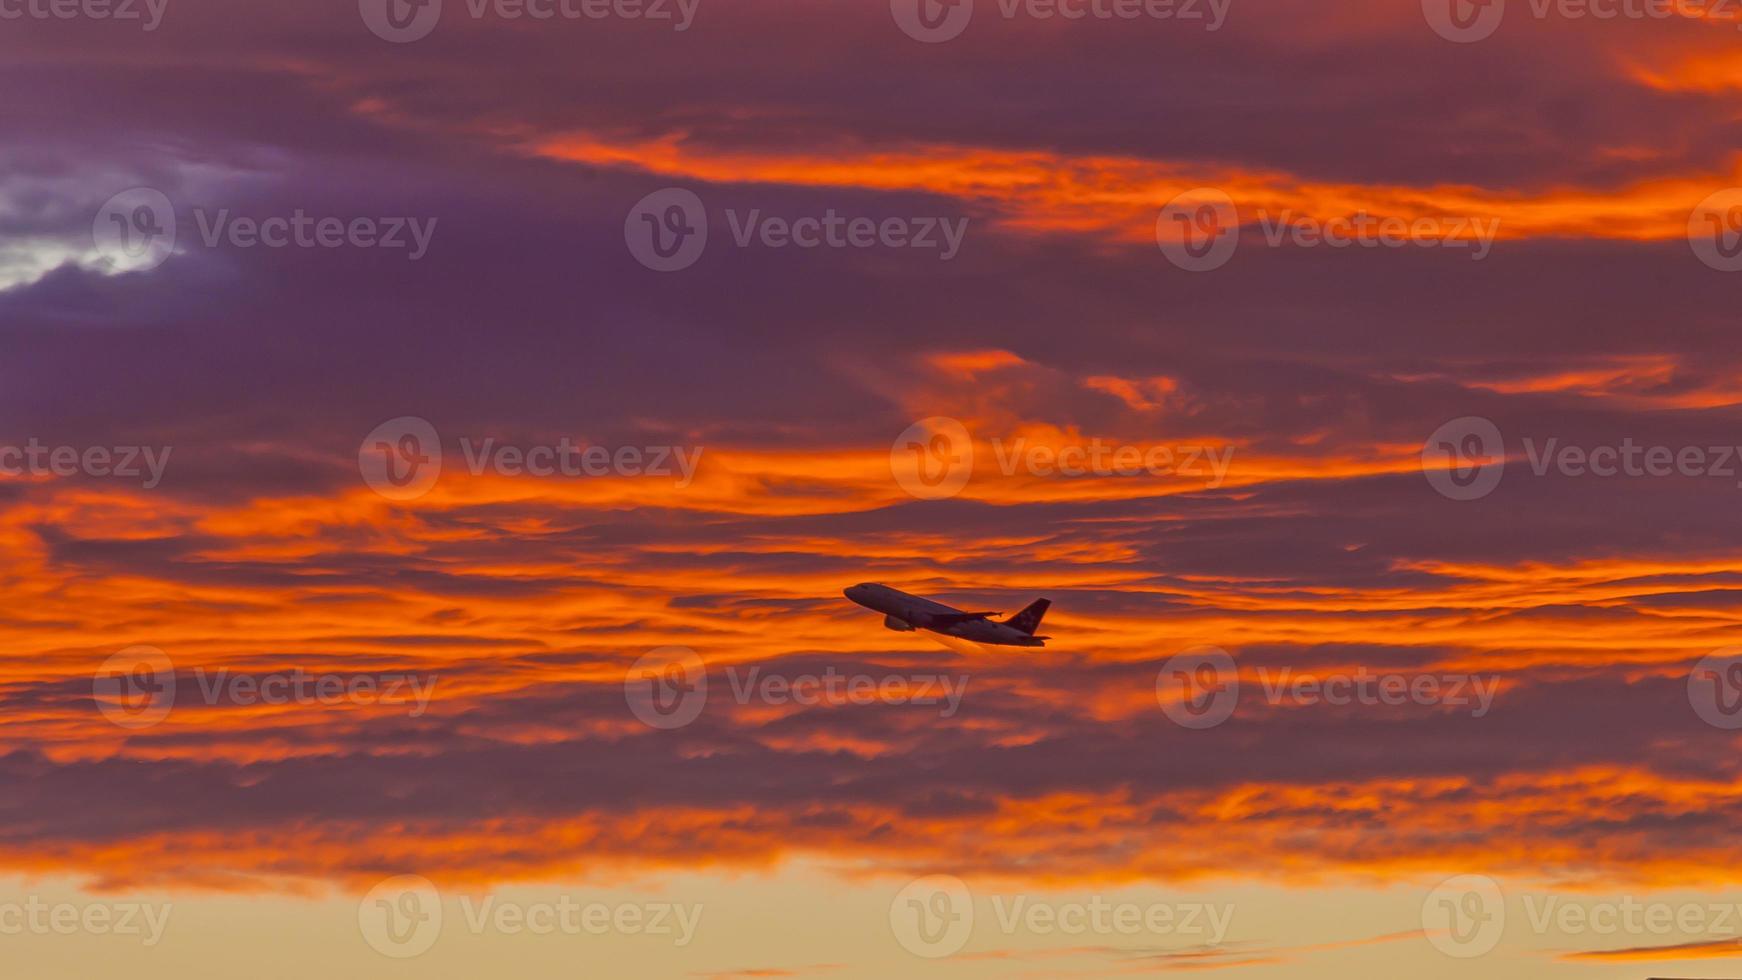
1548 213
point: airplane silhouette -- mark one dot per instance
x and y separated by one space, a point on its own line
904 612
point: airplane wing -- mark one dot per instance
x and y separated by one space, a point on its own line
954 619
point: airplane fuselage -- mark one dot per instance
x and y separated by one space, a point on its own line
903 611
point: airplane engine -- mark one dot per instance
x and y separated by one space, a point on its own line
900 625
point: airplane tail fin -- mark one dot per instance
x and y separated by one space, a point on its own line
1028 620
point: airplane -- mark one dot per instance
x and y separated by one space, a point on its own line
904 613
